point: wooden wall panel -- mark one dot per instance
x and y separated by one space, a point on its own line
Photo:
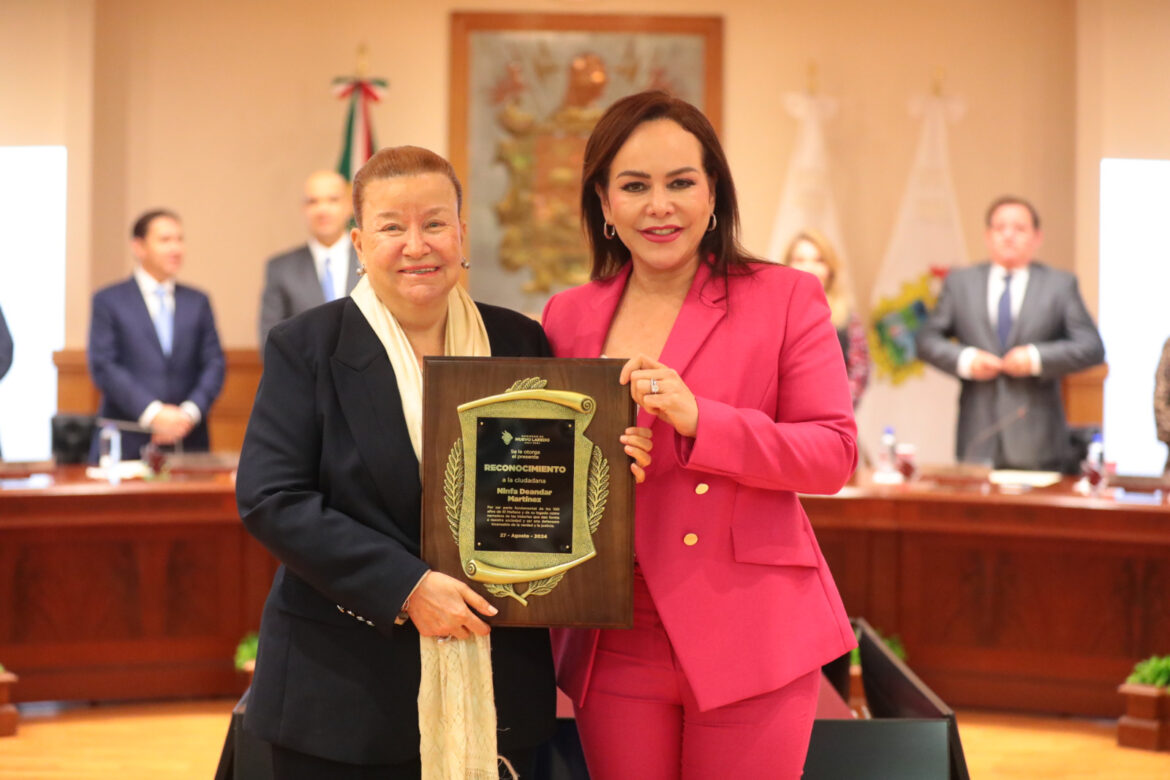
229 415
136 591
1084 395
1039 602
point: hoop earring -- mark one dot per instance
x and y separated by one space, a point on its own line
608 230
714 222
465 263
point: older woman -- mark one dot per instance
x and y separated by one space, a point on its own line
329 482
813 252
737 370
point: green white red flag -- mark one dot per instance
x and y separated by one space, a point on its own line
358 142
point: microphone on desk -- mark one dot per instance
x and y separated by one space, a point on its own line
122 425
132 426
997 427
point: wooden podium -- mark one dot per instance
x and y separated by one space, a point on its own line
527 492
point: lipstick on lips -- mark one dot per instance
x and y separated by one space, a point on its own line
661 234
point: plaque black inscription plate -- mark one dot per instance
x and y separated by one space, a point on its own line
524 491
527 491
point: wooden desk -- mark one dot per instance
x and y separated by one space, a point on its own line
130 592
1041 601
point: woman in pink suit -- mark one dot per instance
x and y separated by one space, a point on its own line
737 370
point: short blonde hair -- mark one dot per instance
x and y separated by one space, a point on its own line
837 285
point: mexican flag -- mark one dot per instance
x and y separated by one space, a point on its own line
358 141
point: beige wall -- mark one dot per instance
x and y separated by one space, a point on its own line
1123 108
218 108
46 99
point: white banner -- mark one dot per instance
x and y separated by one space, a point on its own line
917 401
807 200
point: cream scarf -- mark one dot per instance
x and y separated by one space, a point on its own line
456 701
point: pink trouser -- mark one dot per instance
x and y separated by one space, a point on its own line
640 718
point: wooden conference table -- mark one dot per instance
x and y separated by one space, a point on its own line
135 591
1040 601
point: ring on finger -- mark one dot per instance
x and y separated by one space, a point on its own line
654 390
443 639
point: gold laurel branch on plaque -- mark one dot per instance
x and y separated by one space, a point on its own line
598 490
535 588
597 494
453 487
531 383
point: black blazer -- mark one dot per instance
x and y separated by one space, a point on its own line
329 483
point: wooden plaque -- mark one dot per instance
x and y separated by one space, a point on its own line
527 491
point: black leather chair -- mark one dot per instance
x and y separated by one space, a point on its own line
71 437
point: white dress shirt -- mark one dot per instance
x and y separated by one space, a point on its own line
148 286
338 255
995 285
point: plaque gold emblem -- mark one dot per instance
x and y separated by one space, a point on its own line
524 488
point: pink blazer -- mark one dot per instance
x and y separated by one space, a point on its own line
750 605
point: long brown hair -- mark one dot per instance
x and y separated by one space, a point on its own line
608 137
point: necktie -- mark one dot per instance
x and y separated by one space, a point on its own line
1004 320
327 281
164 321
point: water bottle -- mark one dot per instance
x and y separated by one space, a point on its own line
1094 465
887 468
110 452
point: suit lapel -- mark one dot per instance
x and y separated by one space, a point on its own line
140 315
1032 303
306 278
589 339
988 337
352 279
704 308
368 392
184 322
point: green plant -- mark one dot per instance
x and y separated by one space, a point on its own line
246 649
1155 670
893 642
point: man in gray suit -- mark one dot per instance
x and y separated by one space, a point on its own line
1010 329
323 269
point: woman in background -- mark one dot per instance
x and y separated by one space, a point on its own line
735 365
811 251
1162 399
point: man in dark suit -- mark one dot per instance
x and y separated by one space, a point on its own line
1009 329
153 349
325 268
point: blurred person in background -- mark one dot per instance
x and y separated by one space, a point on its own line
811 251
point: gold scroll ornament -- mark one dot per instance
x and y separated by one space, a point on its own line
501 571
